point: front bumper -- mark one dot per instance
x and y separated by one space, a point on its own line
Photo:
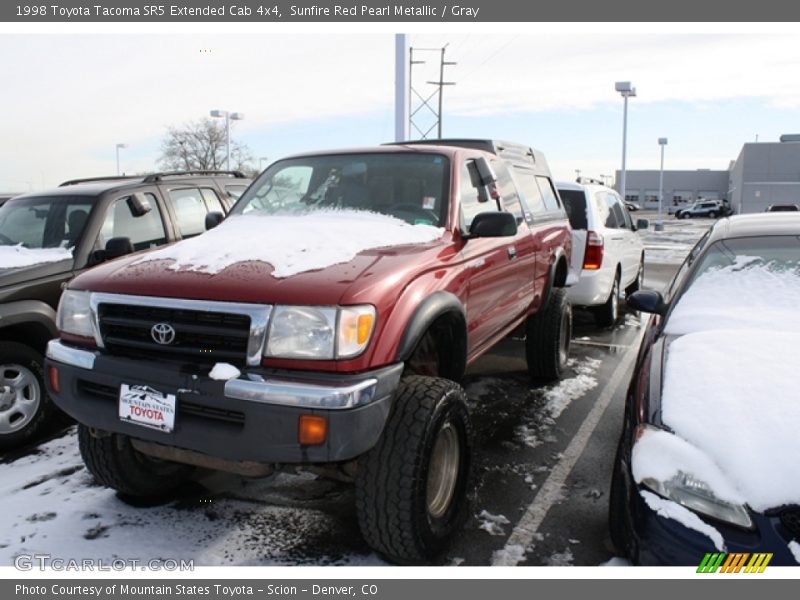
250 418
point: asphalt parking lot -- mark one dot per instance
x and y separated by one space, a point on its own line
543 464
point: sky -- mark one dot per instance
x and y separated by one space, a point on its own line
69 99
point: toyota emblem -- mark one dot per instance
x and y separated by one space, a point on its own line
162 333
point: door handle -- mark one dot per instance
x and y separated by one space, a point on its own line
512 252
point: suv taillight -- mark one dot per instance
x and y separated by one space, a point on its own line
593 257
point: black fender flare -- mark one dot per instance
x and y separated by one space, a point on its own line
435 306
28 311
552 278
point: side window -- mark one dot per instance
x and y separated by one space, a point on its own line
470 195
508 191
189 209
531 194
146 231
604 214
614 218
549 195
234 191
622 216
213 203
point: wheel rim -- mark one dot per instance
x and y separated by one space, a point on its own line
443 470
564 337
20 395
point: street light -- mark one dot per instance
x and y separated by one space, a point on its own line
578 175
627 91
228 116
660 225
118 147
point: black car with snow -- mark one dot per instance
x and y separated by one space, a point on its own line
707 461
48 237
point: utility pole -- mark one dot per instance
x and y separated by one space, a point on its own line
402 81
416 113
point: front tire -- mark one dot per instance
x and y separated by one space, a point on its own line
411 488
115 463
25 407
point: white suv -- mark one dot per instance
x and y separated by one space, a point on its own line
607 253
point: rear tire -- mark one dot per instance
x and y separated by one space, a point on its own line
115 463
617 509
25 407
638 283
607 315
712 215
547 338
685 215
412 487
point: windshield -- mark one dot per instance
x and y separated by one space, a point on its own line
411 187
44 222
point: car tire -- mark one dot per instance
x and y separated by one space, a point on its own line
547 338
25 407
115 463
412 487
712 215
638 283
685 215
608 314
617 524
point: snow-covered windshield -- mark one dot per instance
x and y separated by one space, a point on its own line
44 221
410 186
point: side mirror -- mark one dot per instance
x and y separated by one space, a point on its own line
118 246
493 224
647 301
213 219
485 171
642 224
138 204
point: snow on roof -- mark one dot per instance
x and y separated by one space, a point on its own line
14 257
292 243
734 395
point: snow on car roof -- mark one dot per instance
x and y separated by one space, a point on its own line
292 244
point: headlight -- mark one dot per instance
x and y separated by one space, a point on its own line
75 314
319 333
675 469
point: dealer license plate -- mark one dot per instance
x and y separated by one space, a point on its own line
142 405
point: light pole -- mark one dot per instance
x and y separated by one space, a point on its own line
627 91
118 148
261 162
228 116
660 225
578 175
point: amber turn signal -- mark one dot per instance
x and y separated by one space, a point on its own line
312 430
52 374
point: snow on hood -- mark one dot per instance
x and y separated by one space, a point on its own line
733 394
739 296
15 257
292 244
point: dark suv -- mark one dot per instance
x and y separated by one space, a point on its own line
48 237
324 324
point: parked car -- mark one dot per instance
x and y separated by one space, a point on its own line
324 325
48 237
607 253
706 208
782 208
632 206
707 460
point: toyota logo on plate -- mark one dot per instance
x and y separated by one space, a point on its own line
162 333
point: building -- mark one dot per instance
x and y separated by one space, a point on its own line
764 173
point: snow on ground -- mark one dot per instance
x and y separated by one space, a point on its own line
292 243
492 524
14 257
794 547
52 505
672 510
616 562
671 245
561 559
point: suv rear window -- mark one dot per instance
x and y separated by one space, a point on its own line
575 205
409 186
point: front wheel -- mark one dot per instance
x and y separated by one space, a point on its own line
411 488
547 338
25 407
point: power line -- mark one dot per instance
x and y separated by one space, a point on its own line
424 100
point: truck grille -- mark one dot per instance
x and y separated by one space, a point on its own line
197 336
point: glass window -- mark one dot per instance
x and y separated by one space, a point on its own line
575 205
146 231
508 191
44 222
190 211
213 203
235 191
410 186
471 195
549 195
617 210
604 213
531 194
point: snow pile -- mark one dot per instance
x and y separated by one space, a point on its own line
562 394
224 372
672 510
15 257
292 243
738 297
733 395
493 524
794 547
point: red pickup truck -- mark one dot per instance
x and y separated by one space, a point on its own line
324 323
